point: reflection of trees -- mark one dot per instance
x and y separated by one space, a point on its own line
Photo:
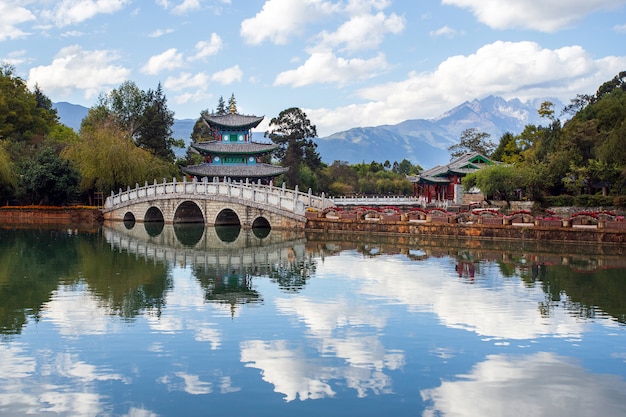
127 285
585 280
604 289
227 285
292 275
33 263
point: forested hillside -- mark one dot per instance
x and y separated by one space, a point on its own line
581 162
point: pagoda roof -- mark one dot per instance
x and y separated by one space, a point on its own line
233 120
235 171
248 148
463 165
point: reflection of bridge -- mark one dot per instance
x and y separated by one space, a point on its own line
213 203
246 252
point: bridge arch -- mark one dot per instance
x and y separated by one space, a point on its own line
153 214
188 212
227 217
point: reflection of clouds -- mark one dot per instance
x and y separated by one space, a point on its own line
288 370
77 312
537 385
193 385
325 320
186 296
139 412
22 390
297 376
322 318
507 309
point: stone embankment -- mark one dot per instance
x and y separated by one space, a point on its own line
595 227
46 215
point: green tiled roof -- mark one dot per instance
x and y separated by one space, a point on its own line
220 148
233 121
235 171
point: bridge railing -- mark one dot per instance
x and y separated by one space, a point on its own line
280 197
380 201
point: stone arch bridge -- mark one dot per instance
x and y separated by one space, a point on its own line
213 203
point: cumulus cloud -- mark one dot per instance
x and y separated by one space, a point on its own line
228 76
74 68
69 12
160 32
521 70
186 6
168 60
208 48
364 31
544 16
280 19
12 15
445 31
326 67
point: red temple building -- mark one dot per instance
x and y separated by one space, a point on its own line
443 183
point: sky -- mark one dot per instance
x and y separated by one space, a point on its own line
346 63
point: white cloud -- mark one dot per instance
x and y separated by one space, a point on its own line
537 385
545 16
160 32
280 19
364 31
168 60
186 6
620 28
75 11
228 76
326 67
444 31
208 48
76 69
12 15
187 80
521 70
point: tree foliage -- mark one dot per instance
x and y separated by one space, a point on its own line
49 180
472 140
108 159
293 132
143 115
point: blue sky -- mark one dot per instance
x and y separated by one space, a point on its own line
346 63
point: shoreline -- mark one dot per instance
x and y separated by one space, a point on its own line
601 233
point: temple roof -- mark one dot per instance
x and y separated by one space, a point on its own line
232 121
235 171
248 148
463 165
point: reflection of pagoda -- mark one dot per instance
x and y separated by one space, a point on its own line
232 153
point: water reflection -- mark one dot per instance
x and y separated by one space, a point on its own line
542 384
129 322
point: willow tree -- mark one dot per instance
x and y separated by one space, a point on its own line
108 159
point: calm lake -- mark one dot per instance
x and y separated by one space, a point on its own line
153 320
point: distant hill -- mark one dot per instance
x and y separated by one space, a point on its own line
421 141
71 115
426 141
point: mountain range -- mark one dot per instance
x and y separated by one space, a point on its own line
421 141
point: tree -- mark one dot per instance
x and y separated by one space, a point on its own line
472 141
292 131
499 181
220 110
49 179
155 128
108 159
8 178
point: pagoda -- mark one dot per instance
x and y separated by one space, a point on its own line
232 154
